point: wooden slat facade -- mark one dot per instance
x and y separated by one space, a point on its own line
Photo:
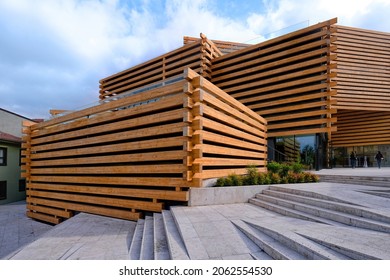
139 152
288 80
197 55
363 87
363 69
361 128
224 46
157 132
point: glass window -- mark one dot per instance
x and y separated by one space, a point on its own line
3 190
22 185
307 150
3 156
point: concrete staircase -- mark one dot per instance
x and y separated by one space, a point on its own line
320 208
157 238
357 180
170 235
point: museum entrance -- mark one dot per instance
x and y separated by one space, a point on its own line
310 150
365 156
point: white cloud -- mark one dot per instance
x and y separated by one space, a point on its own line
53 53
282 14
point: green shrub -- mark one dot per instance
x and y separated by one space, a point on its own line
277 174
291 177
284 180
300 177
252 176
314 178
274 178
307 177
297 167
220 182
274 167
236 180
228 181
284 169
265 178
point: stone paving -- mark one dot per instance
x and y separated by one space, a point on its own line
212 234
84 236
16 229
88 236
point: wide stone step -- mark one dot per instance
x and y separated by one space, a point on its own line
306 247
193 244
331 205
308 194
351 253
291 212
175 242
358 180
161 250
272 247
136 242
147 250
343 218
385 193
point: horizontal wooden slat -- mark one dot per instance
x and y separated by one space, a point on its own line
133 181
363 73
114 191
285 78
302 131
232 121
164 103
143 67
212 149
360 128
206 161
303 123
43 217
99 210
215 102
207 174
196 55
134 169
91 199
150 120
51 211
213 137
107 138
168 143
210 124
261 69
113 105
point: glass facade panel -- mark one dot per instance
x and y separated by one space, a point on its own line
365 156
300 149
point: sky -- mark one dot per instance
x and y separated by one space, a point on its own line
54 52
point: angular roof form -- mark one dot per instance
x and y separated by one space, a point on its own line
9 138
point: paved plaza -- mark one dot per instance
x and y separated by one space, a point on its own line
88 236
16 229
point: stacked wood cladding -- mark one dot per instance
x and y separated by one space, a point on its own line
197 55
224 46
287 80
227 136
140 152
363 69
361 128
363 87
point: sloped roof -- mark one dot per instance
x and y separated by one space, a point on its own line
9 137
20 116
